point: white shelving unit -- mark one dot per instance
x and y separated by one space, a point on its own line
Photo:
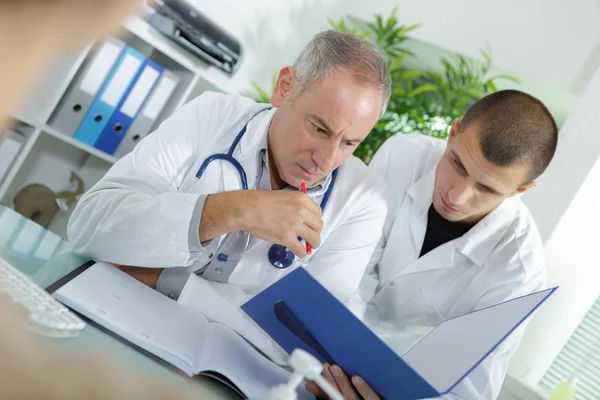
49 156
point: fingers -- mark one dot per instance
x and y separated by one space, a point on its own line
329 376
313 388
343 383
309 236
314 225
365 390
305 202
297 247
338 379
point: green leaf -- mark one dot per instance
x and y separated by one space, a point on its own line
418 118
435 77
486 56
410 75
365 34
463 102
273 82
263 96
406 29
379 23
505 77
399 91
423 89
395 63
491 86
475 93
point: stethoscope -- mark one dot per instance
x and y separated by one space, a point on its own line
279 256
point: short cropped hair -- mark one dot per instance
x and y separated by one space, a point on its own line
331 50
514 128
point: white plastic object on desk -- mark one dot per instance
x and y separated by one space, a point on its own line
304 366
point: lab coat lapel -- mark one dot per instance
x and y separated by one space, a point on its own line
439 258
246 153
420 194
480 241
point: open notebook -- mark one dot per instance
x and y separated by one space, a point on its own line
168 330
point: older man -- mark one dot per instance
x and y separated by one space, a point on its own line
178 201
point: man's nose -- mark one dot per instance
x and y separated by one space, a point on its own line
459 194
325 156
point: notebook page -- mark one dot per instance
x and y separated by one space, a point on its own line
202 297
140 314
251 372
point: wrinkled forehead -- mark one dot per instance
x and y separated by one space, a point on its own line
341 101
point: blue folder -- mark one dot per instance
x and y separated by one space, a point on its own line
121 120
298 312
117 85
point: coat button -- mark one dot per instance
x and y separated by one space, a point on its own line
210 255
219 271
172 296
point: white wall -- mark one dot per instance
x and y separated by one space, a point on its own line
555 42
566 204
577 152
548 40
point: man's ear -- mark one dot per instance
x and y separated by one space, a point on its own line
454 129
283 86
524 188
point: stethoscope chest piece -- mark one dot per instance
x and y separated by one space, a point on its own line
280 257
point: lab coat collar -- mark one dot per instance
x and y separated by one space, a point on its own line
479 241
257 128
421 191
257 121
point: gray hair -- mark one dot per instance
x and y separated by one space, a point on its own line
331 50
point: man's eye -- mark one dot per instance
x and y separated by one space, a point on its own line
318 128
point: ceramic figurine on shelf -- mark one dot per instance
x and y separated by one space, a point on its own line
39 203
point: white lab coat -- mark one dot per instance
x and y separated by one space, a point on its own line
498 259
140 213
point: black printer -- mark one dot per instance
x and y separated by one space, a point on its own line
183 23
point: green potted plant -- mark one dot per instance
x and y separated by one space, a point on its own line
422 101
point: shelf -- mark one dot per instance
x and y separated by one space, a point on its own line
18 163
65 138
76 143
49 156
19 117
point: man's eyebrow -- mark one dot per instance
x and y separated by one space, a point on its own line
321 122
462 166
323 125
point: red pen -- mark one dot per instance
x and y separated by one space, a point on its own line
308 247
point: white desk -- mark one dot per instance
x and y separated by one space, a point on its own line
45 257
